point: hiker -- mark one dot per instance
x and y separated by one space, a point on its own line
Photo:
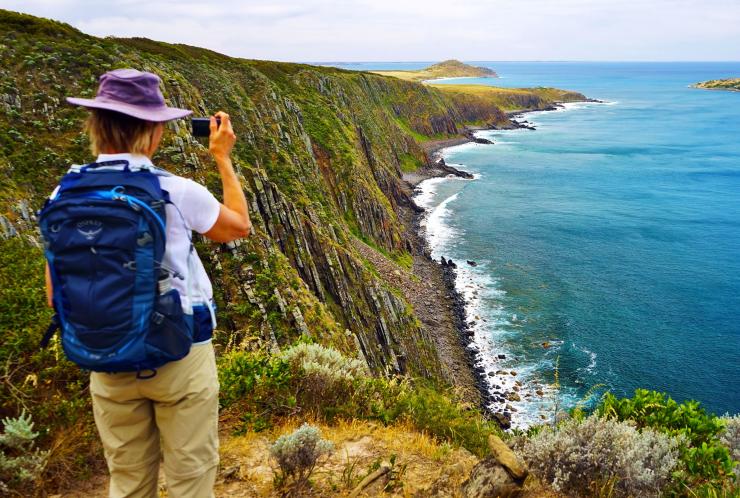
142 325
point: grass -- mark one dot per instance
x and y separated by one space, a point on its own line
408 163
513 99
261 389
360 446
406 128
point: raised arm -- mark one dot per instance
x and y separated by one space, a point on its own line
233 219
49 289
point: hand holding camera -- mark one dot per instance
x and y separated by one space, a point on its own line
218 129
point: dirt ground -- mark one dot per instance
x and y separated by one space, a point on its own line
247 470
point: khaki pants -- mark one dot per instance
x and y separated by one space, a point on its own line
178 405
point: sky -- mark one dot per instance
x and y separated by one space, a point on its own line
418 30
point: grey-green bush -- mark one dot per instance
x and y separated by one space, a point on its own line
326 373
730 437
581 458
19 460
297 453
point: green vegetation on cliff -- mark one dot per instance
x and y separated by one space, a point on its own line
446 69
732 84
512 99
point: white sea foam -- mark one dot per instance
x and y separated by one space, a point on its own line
426 191
573 106
591 359
439 233
448 78
488 319
458 148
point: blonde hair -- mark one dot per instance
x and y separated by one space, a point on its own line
117 132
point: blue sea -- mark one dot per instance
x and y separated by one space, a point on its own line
607 241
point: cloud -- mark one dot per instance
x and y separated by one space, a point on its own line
324 30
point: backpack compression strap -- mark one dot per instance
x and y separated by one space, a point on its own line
53 326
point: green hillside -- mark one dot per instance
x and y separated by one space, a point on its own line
732 84
446 69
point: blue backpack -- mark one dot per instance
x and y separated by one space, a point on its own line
104 240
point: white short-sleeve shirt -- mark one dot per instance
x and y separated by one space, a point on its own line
198 210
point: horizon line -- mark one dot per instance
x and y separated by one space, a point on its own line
339 61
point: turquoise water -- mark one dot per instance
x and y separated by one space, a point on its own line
611 234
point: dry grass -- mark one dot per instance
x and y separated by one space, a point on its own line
422 466
481 90
513 99
401 75
420 460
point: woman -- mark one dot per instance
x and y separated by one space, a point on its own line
179 405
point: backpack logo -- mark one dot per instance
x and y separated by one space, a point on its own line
90 228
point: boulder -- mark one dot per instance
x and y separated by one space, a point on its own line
503 454
501 474
503 420
489 479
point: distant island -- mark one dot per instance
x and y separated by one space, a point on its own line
731 84
446 69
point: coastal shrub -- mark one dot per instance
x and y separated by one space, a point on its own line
297 453
20 461
328 383
333 385
438 414
659 411
730 438
325 372
705 462
260 384
601 456
261 387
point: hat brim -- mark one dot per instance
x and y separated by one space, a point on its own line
157 114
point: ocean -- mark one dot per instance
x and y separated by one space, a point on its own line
606 242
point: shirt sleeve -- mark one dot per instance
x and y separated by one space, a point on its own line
199 207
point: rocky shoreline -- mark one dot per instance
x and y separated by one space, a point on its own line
446 269
464 360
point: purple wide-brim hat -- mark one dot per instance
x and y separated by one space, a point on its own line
134 93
